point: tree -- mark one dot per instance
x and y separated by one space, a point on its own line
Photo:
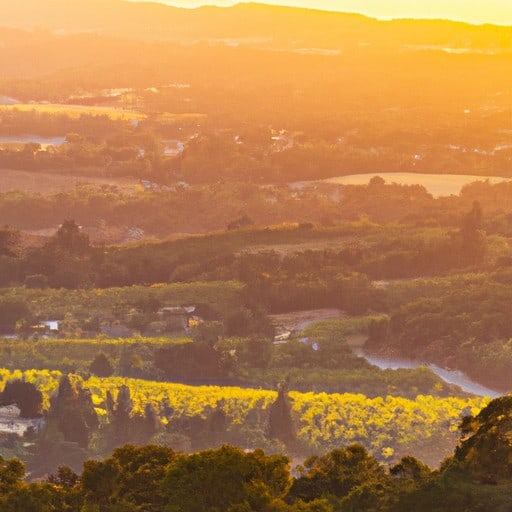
473 237
225 479
70 238
256 352
336 473
25 395
73 412
70 327
486 447
143 470
11 311
280 423
411 470
120 412
9 241
67 259
33 497
128 480
101 366
376 181
12 472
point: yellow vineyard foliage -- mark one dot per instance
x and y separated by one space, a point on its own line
321 420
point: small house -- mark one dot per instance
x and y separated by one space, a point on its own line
177 317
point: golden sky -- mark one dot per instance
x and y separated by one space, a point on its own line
474 11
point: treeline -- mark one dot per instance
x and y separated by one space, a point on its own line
203 209
157 478
37 122
97 145
110 213
94 145
68 259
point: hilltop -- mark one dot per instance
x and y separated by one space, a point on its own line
252 23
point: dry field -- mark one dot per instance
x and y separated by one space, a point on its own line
48 183
75 111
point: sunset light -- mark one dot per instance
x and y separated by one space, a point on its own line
472 11
256 256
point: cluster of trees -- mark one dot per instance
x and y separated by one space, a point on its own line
109 211
295 280
157 478
49 124
120 155
464 324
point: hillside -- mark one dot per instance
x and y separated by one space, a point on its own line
255 23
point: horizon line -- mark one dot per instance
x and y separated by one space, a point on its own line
292 4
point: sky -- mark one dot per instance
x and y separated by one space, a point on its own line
473 11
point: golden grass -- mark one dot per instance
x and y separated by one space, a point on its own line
52 183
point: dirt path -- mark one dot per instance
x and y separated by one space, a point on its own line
299 320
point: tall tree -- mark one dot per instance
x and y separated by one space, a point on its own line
473 236
73 413
280 423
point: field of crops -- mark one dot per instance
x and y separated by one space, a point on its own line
386 425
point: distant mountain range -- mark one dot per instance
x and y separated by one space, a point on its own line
254 24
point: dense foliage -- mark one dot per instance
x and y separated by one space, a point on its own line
196 417
462 322
159 479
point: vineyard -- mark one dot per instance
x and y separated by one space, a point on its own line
389 426
59 354
90 302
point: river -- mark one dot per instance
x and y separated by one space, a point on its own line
450 376
26 139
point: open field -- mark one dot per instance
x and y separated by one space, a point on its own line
51 183
334 244
182 117
75 111
298 320
437 184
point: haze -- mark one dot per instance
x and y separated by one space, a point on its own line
475 11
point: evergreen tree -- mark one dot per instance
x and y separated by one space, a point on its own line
120 416
101 366
73 412
280 423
